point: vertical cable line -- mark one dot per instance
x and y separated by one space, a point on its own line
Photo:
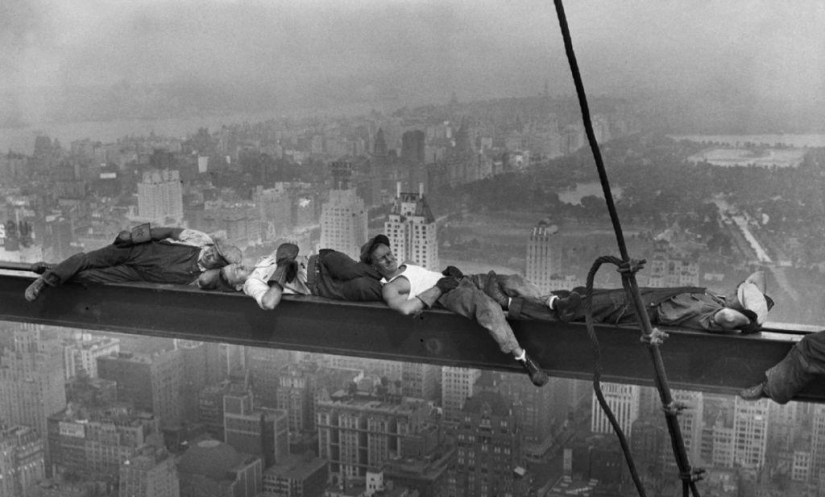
628 269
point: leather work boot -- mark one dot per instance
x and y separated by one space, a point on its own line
493 290
537 376
33 291
755 392
567 307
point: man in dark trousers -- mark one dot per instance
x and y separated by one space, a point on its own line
409 289
330 274
803 363
744 310
155 255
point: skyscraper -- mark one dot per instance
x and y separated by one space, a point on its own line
92 443
623 400
261 432
750 431
356 433
22 460
412 230
533 410
32 386
543 256
456 387
343 216
152 382
160 197
489 448
420 380
82 351
296 395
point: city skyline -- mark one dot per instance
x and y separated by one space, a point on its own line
155 59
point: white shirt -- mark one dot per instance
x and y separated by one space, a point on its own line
421 279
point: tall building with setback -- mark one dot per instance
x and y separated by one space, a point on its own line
488 440
296 395
153 382
210 401
623 400
750 430
82 351
690 421
264 365
543 256
420 380
22 460
533 410
412 230
160 197
210 468
202 366
32 387
817 441
456 387
149 473
343 215
358 433
261 432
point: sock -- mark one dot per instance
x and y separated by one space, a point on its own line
522 356
551 300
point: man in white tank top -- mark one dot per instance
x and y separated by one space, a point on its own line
409 289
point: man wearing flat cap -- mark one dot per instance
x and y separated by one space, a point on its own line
409 289
144 254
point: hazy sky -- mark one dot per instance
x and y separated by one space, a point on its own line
417 50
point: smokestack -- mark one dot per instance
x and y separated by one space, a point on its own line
398 189
421 189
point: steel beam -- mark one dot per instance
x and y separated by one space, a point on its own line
694 360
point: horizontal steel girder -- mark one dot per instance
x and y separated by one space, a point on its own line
694 360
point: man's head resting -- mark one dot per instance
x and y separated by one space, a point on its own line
377 253
372 244
220 254
229 278
750 300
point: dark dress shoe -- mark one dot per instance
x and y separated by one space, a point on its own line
537 376
493 290
755 392
33 291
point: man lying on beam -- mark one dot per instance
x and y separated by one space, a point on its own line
330 274
409 289
744 310
153 255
